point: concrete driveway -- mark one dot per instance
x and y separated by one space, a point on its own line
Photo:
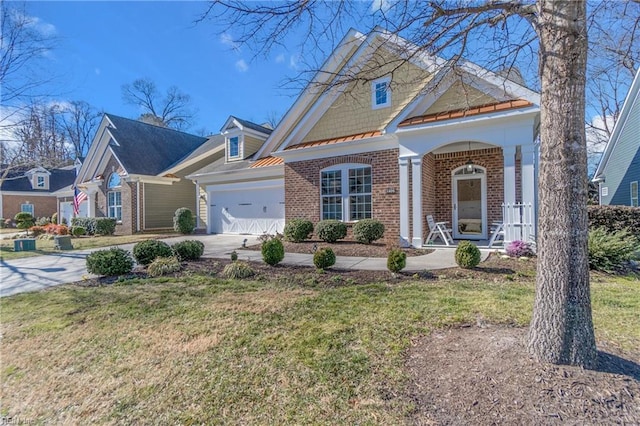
40 272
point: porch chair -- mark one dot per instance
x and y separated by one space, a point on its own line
438 230
497 233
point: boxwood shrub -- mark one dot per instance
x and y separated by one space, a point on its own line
183 221
368 230
467 255
272 251
331 230
189 249
147 251
298 230
396 260
324 258
114 261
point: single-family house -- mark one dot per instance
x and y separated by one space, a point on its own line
618 173
32 190
386 131
135 173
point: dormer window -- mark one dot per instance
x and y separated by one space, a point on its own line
234 147
380 93
40 182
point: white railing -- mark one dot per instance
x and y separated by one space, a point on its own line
519 222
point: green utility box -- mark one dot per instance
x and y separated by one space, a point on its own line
62 242
24 244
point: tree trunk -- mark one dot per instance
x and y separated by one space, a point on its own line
561 330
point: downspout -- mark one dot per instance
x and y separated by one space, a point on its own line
144 208
138 206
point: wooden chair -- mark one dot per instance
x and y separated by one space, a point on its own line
438 230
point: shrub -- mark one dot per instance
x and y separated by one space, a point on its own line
298 230
24 220
183 221
163 266
518 248
467 255
331 230
88 223
608 251
324 258
272 251
56 229
105 226
3 223
615 218
234 256
146 251
368 230
189 249
396 260
237 270
43 221
114 261
77 231
54 218
36 231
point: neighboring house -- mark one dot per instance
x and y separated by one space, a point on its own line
32 190
423 139
618 173
135 173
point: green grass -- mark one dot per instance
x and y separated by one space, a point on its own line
81 243
201 350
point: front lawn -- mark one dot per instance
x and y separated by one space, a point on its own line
81 243
281 349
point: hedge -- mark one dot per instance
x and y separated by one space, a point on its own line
615 218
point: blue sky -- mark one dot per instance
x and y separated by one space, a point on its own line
103 45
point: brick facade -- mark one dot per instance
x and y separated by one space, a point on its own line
43 205
302 188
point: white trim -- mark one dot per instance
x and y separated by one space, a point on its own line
160 180
403 166
224 176
377 143
416 187
240 186
374 93
28 193
240 140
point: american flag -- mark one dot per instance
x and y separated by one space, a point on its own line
78 198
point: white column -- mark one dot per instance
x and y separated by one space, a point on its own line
404 202
416 195
91 203
529 188
509 161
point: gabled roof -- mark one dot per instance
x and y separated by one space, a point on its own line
145 149
233 121
632 97
18 180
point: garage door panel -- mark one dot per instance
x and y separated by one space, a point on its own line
247 211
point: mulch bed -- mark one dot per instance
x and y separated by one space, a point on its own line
345 248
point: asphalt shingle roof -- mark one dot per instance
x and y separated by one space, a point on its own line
146 149
253 126
59 178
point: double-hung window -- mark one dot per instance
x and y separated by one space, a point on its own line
114 197
40 182
380 93
27 208
634 193
234 147
345 191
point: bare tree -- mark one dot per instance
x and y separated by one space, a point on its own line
497 35
173 110
79 121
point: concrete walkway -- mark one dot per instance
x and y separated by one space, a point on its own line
40 272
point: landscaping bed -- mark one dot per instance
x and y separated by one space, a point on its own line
344 248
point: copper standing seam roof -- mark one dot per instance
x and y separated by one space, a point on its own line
331 141
482 109
267 161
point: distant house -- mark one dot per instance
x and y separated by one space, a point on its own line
135 173
32 190
618 173
420 138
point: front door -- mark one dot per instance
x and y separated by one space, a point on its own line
469 203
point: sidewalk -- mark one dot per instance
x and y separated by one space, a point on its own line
40 272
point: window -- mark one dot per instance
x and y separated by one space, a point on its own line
346 192
27 208
634 193
234 147
380 93
114 205
40 182
114 198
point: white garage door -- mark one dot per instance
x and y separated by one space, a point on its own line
242 209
